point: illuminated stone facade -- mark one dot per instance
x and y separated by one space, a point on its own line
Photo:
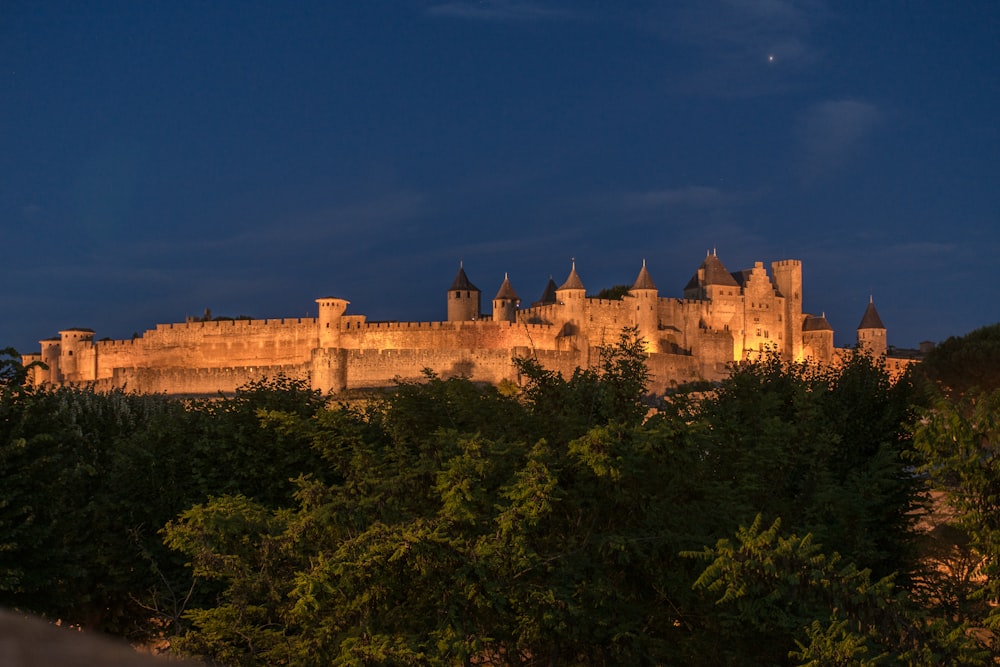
722 317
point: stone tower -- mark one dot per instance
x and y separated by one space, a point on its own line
711 280
548 294
328 323
71 343
788 281
646 304
571 295
506 302
50 357
817 339
463 299
328 365
871 332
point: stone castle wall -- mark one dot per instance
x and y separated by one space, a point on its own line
198 382
688 339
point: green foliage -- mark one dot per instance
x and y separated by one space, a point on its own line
233 448
90 478
462 525
958 445
12 372
614 391
965 364
449 522
821 448
615 293
75 507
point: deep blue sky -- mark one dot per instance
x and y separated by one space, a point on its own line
158 158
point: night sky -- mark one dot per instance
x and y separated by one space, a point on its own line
160 158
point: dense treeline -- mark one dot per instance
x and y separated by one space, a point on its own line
770 520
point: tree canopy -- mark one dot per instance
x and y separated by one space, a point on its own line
567 520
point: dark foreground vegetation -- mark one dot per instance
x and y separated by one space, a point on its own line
771 520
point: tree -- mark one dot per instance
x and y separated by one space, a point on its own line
456 524
964 364
90 478
958 445
821 448
12 371
70 539
615 293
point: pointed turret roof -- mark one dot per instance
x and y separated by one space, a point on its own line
548 295
871 320
715 273
506 290
462 281
816 323
643 281
573 280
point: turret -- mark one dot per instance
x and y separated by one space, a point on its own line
817 338
71 343
871 332
328 323
50 357
571 295
506 302
646 303
463 298
548 294
328 367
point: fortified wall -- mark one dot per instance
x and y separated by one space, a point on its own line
723 317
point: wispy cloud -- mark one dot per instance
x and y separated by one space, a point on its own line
831 133
690 197
740 48
500 10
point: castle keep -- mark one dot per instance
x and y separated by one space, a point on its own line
723 317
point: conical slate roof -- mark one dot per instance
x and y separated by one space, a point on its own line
506 291
573 280
715 274
643 281
462 281
816 323
548 295
871 320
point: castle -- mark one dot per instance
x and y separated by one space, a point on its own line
723 317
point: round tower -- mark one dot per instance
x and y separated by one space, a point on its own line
506 302
463 298
72 342
817 338
328 322
50 357
646 315
871 332
571 296
328 366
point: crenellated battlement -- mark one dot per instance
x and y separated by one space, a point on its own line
233 324
723 317
462 325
